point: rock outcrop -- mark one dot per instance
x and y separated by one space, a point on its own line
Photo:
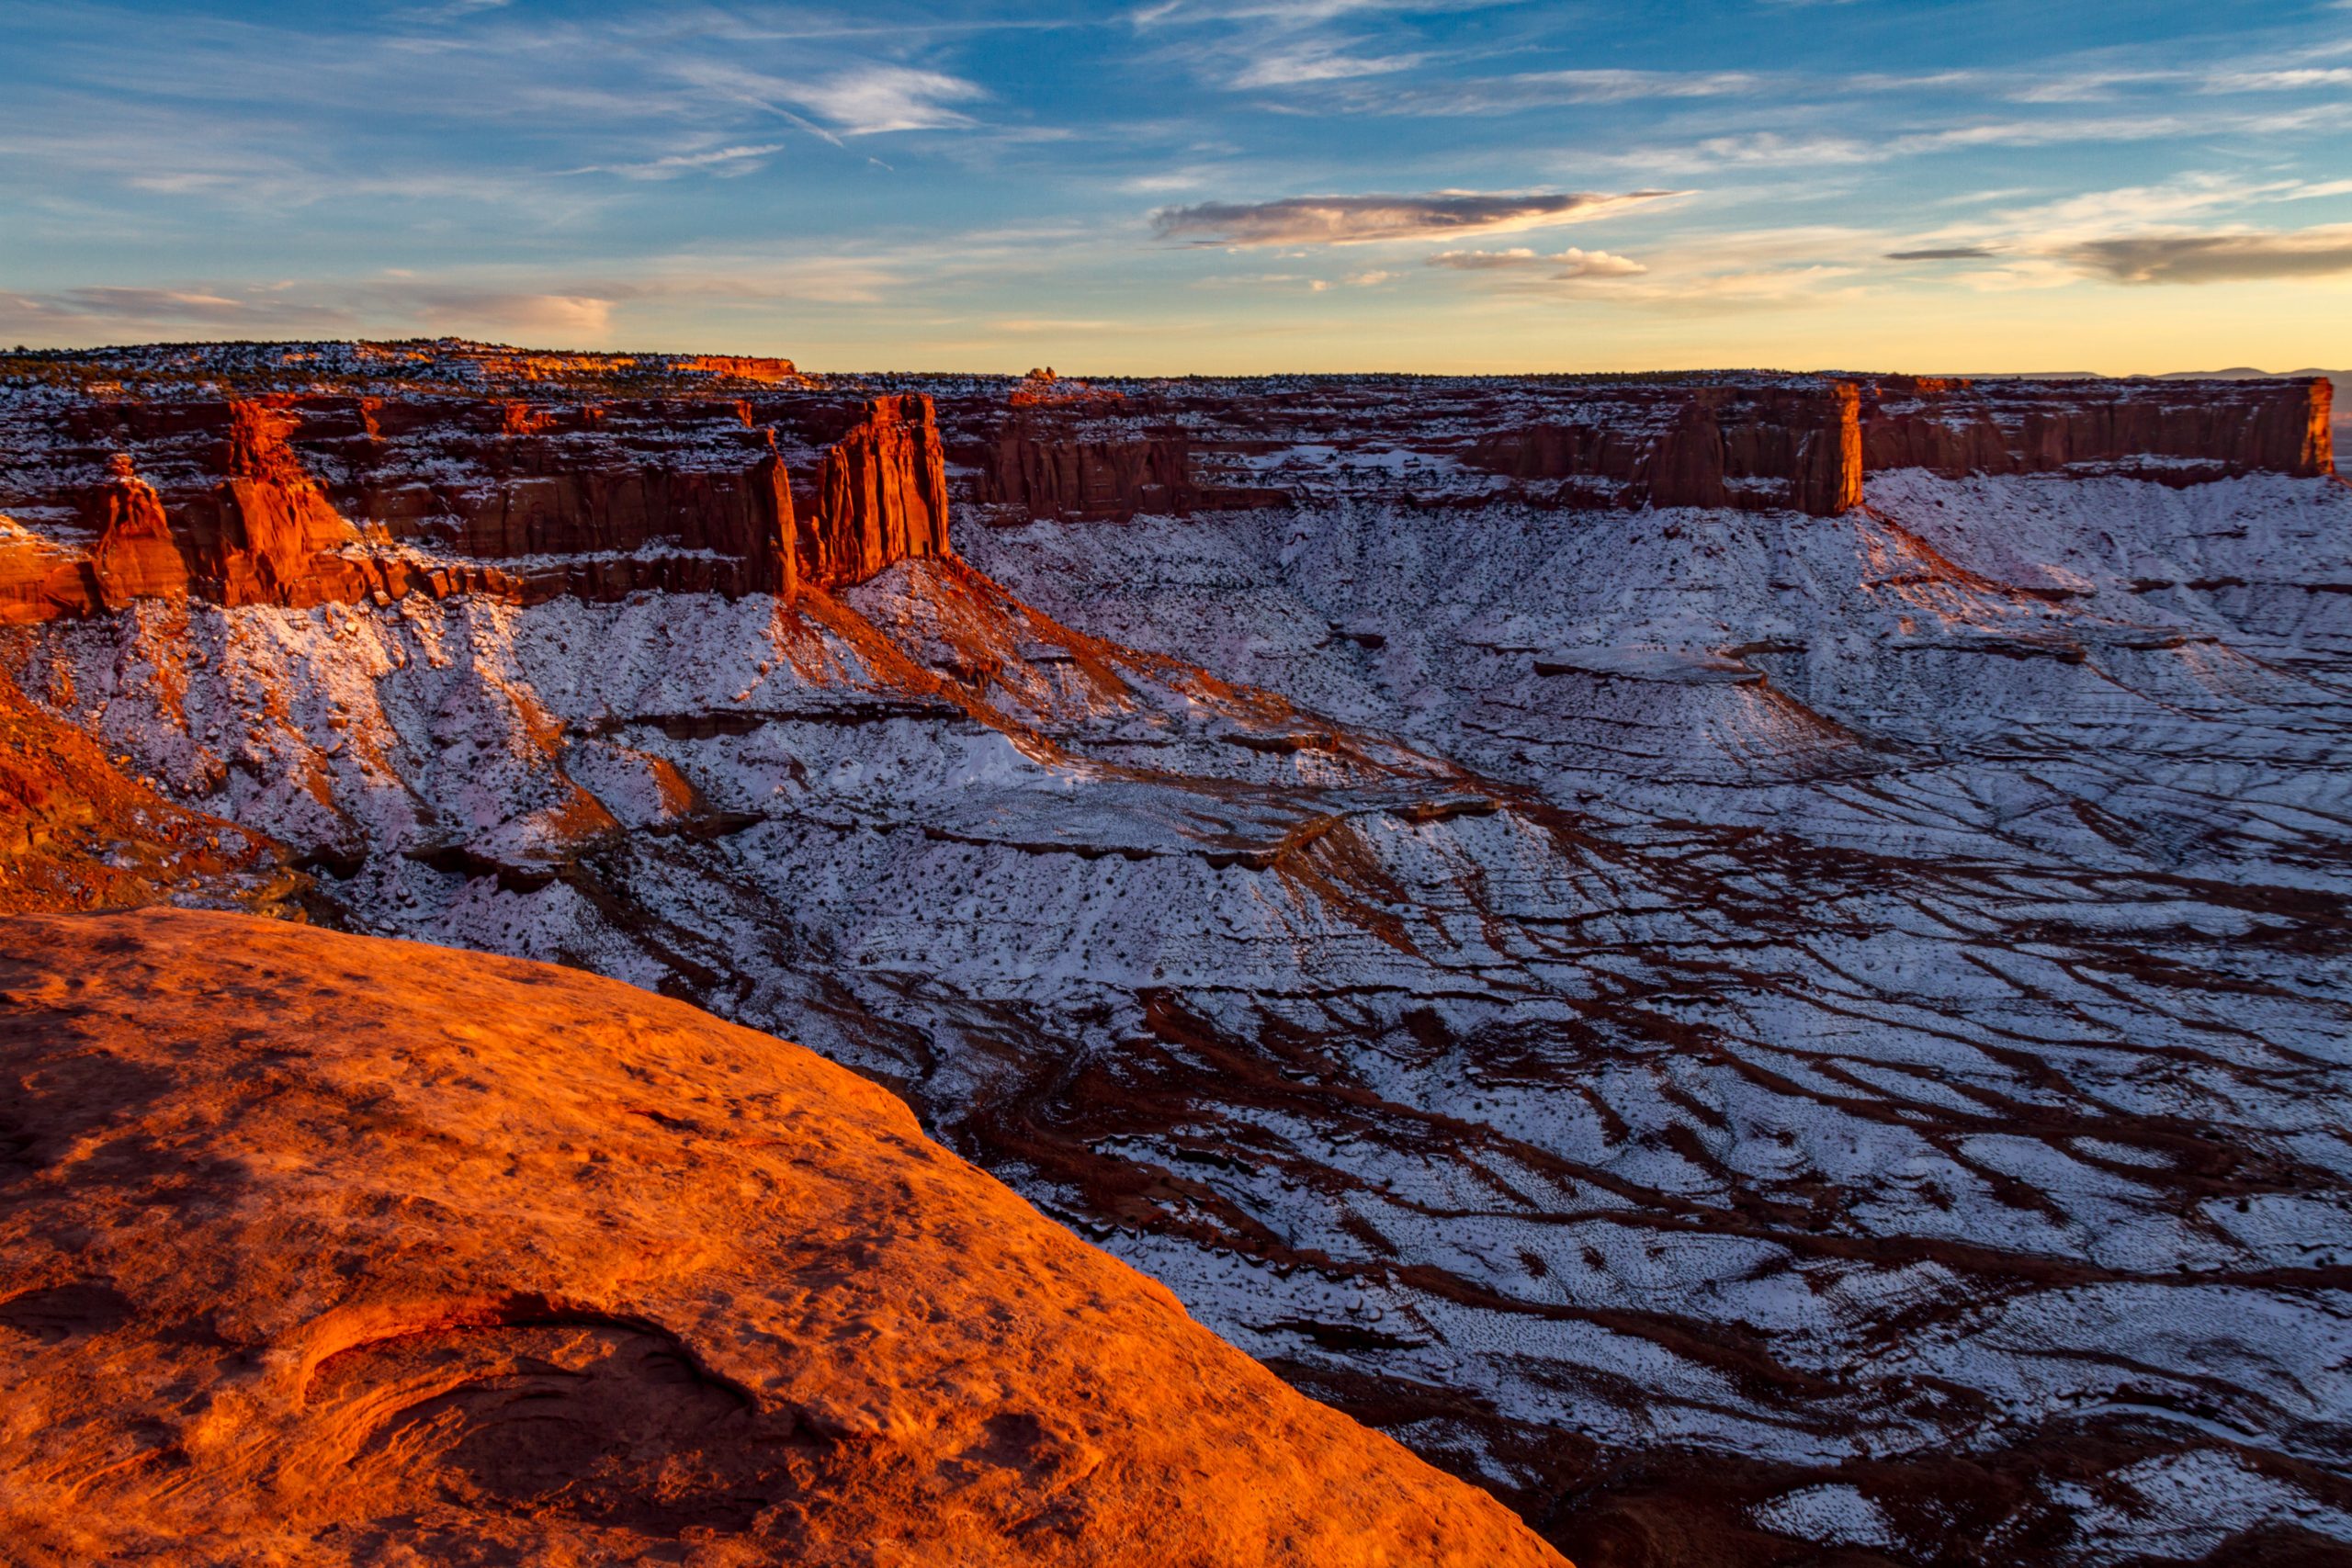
1067 476
881 495
266 534
305 1263
41 580
297 501
2173 432
742 367
1797 448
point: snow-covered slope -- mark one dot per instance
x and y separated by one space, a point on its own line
1753 1033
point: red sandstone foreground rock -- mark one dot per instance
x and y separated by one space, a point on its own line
325 1249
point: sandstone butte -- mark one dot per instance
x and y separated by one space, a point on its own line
331 1249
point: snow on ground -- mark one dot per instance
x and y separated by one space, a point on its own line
1801 992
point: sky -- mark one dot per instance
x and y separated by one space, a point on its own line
1198 186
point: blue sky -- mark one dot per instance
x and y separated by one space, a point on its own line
1198 185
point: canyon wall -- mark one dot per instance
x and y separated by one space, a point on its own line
2177 431
1751 448
298 500
1074 464
1062 473
881 495
1737 442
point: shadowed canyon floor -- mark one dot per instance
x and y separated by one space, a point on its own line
1806 1026
306 1264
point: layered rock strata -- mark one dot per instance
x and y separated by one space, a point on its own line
302 500
1796 449
1797 444
1065 475
881 495
2172 432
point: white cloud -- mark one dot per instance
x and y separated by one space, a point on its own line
871 99
1316 62
1574 262
2292 80
1171 180
1535 89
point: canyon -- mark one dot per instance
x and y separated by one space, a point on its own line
1751 963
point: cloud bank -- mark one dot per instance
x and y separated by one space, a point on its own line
2215 258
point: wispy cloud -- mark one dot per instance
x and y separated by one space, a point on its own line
1537 89
173 307
1571 262
1485 261
1268 46
1359 220
1166 180
872 99
1316 61
721 161
117 314
2108 235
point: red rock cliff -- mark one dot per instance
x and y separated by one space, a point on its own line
264 533
305 500
2178 432
881 495
1064 476
1746 447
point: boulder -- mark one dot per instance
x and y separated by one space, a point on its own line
328 1249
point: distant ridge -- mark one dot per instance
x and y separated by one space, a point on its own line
2249 373
2235 373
